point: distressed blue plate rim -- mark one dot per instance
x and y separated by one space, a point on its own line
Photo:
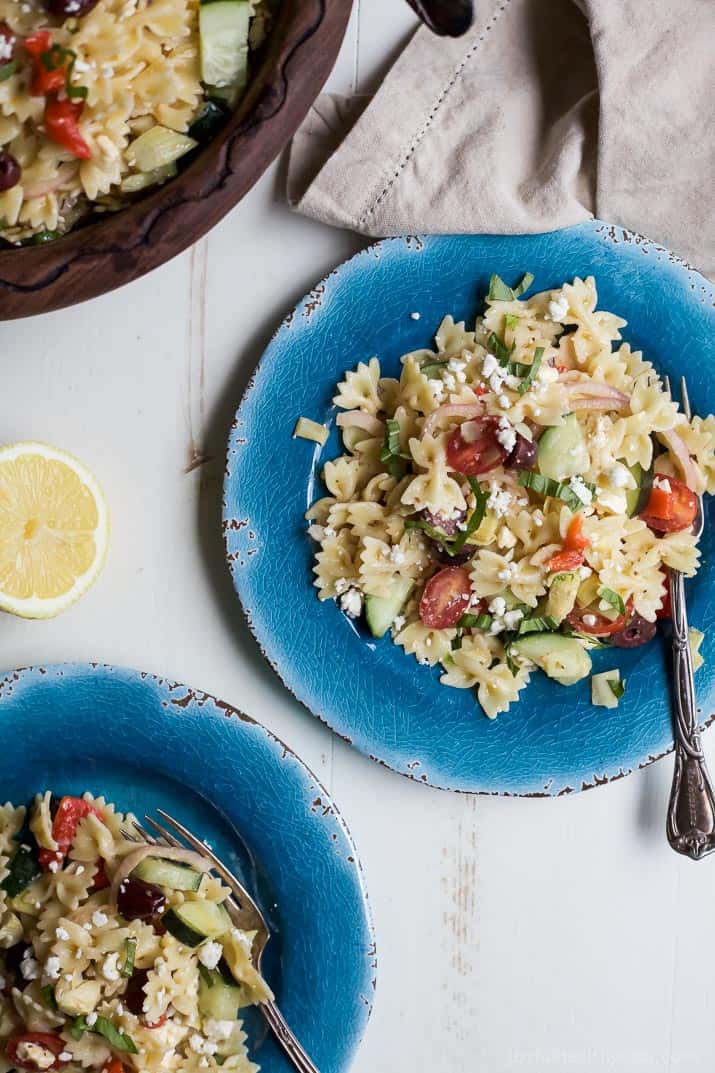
128 733
344 319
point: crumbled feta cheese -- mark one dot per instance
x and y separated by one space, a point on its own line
499 500
99 919
110 969
65 1056
29 966
490 365
663 483
218 1030
547 374
584 572
415 316
91 1018
52 968
397 555
613 501
504 402
498 606
62 934
619 476
450 382
506 434
7 45
508 573
497 626
603 605
578 487
199 1045
54 866
558 308
512 382
351 603
513 618
210 954
398 623
589 620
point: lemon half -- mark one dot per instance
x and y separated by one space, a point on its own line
54 530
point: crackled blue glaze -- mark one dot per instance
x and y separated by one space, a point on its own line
553 740
144 743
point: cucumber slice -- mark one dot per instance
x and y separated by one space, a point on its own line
157 147
562 595
562 450
562 658
602 693
381 611
142 180
218 999
636 498
167 874
223 30
193 922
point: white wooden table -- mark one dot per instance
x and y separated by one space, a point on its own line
513 934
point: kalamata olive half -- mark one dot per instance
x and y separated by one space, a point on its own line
135 995
10 171
638 632
138 900
446 525
68 8
523 453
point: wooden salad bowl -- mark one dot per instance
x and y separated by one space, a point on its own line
113 249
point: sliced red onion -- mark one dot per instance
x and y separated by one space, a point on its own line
594 392
465 410
681 455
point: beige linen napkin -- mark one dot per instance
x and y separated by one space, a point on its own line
547 113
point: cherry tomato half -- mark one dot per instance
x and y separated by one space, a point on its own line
29 1050
671 506
114 1065
446 598
479 456
64 827
602 627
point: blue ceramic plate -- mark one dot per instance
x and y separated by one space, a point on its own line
553 741
145 743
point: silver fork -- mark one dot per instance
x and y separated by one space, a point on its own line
246 915
691 809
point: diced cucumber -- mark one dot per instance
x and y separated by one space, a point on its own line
157 147
223 30
636 498
22 869
167 874
562 595
381 611
588 591
142 180
193 922
562 450
562 658
606 689
218 998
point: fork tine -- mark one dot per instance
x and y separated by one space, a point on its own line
166 836
666 385
686 397
142 831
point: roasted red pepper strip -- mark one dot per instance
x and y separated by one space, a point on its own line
64 827
49 64
574 546
61 124
114 1065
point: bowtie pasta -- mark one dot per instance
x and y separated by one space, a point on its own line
515 498
114 955
99 99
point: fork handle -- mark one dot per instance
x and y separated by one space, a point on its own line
287 1040
691 810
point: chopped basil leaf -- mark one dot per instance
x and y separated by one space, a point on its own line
48 995
103 1027
499 349
618 688
456 642
390 453
433 369
533 370
538 624
206 975
546 486
500 292
130 950
476 518
434 534
475 622
613 599
511 664
7 70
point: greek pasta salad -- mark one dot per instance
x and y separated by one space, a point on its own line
516 498
115 955
99 99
